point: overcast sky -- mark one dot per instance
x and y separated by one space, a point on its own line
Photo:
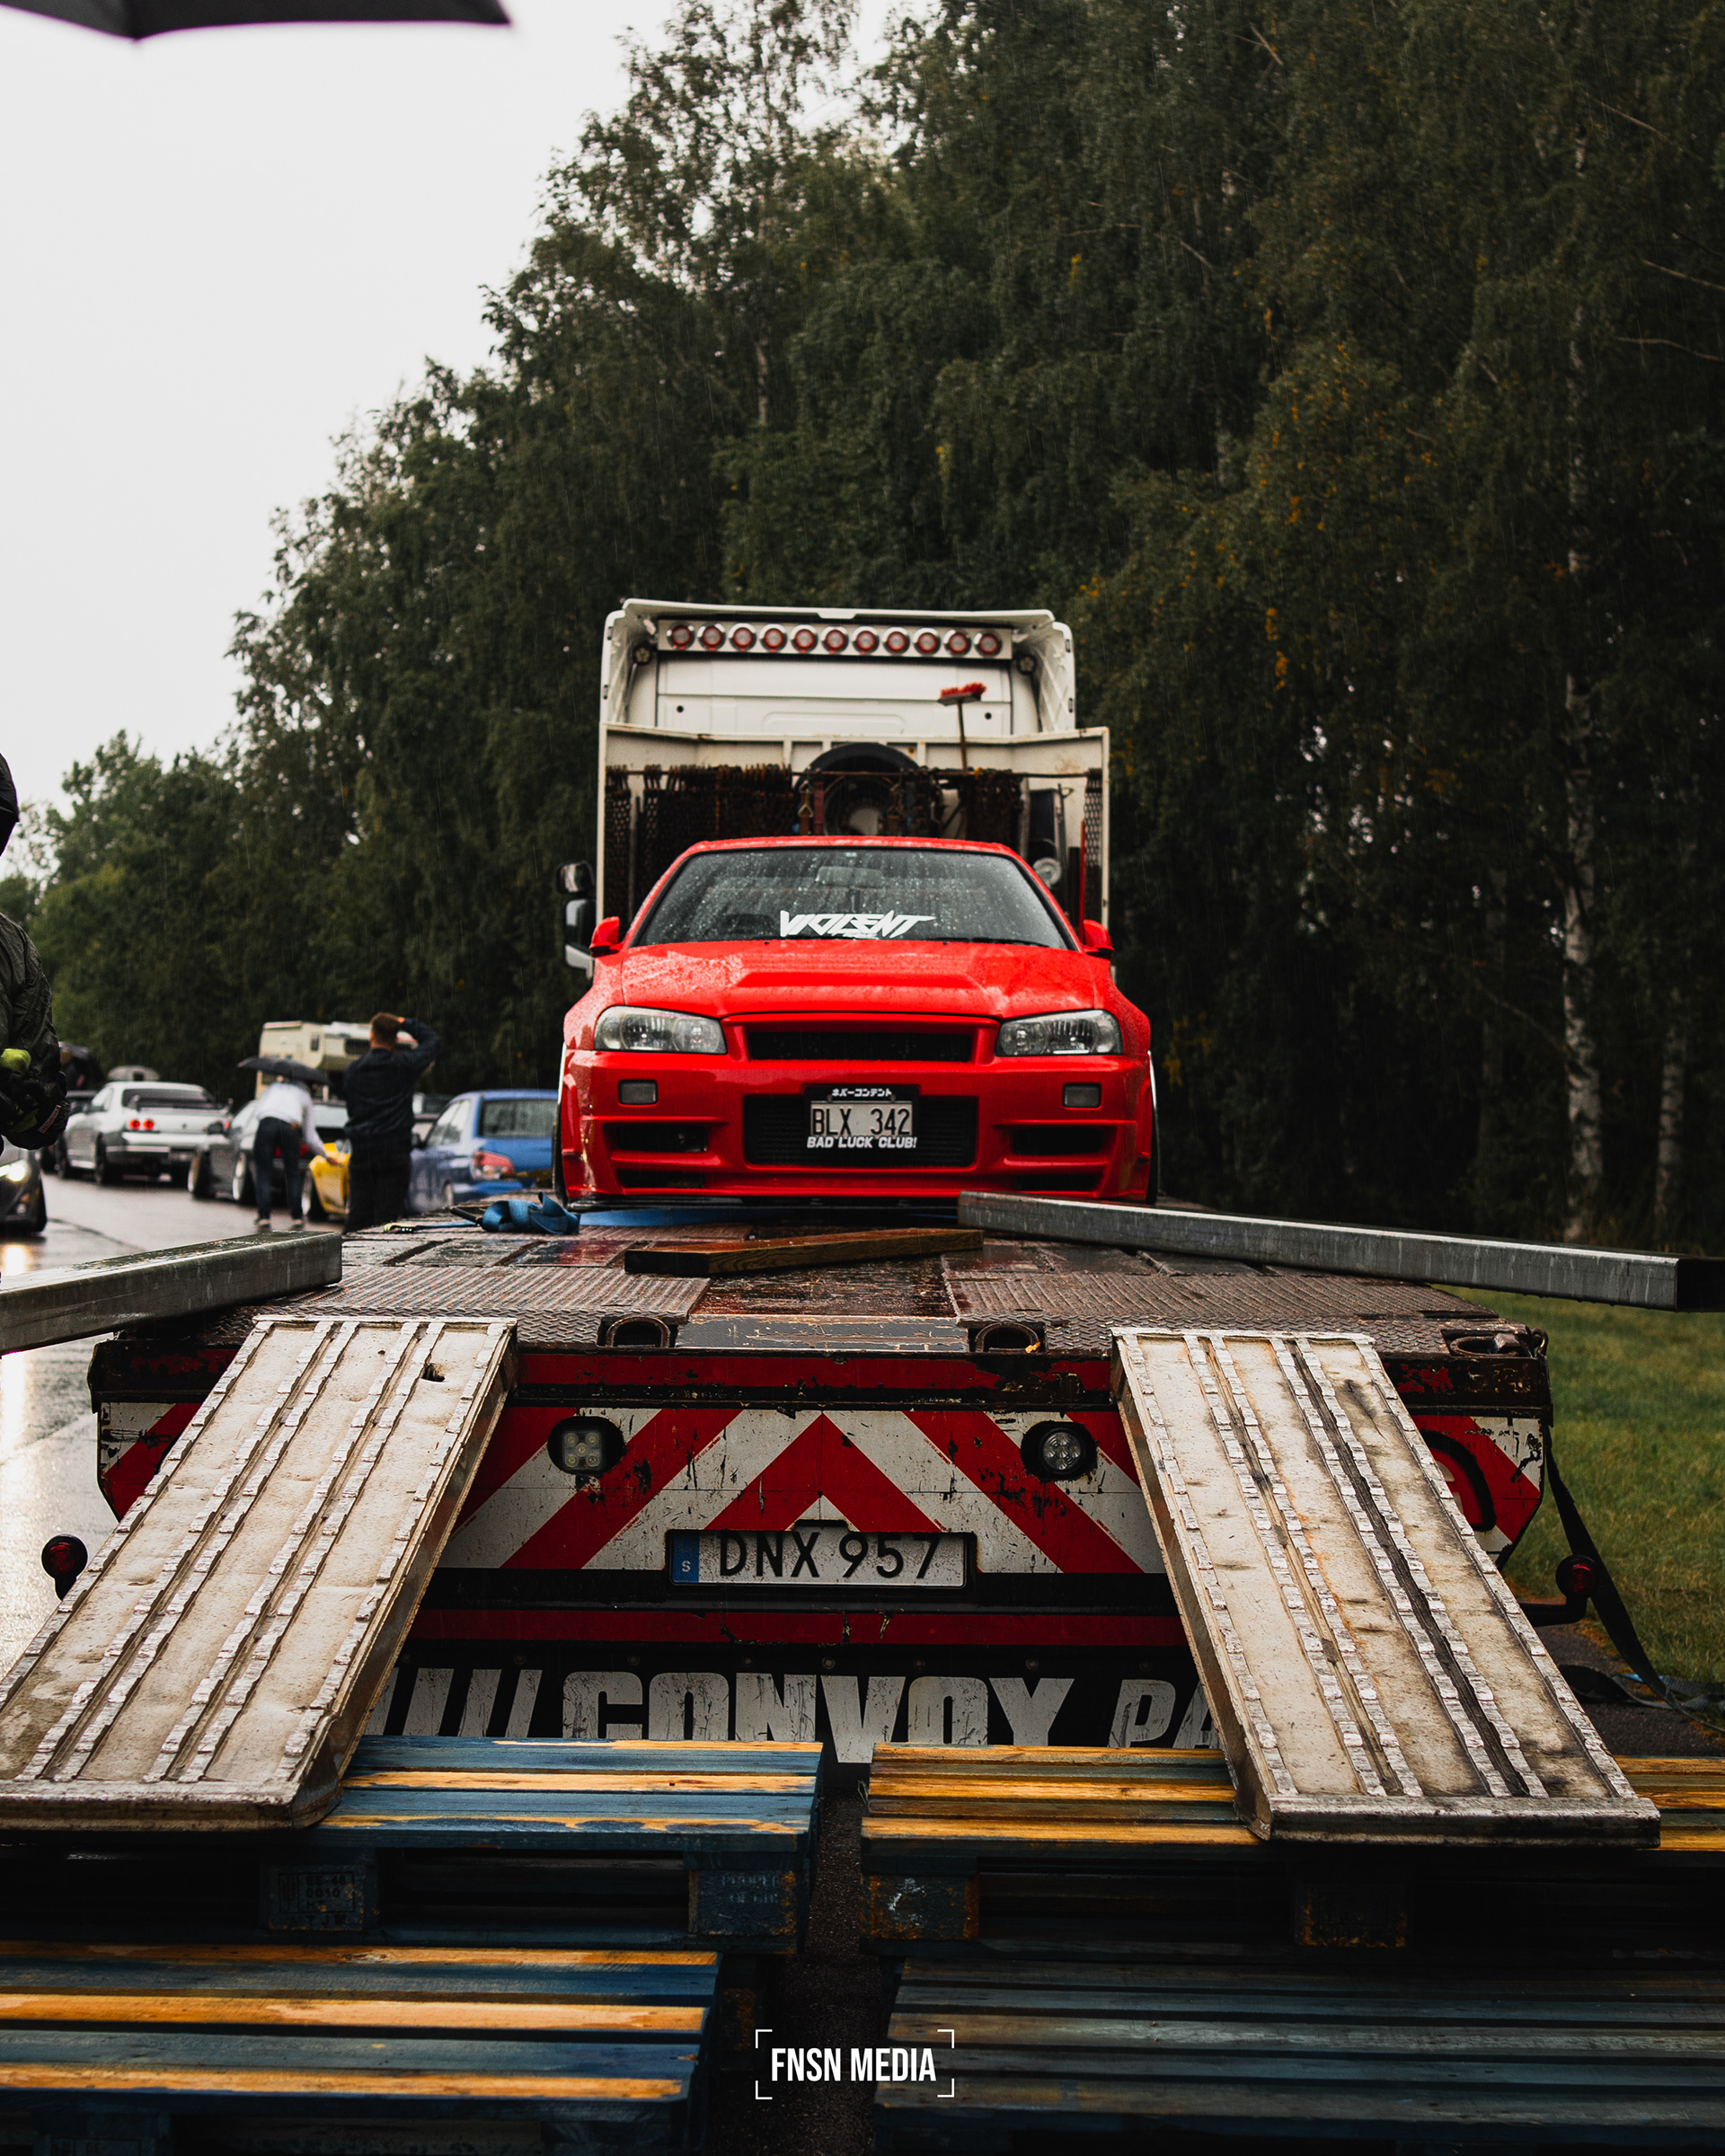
217 249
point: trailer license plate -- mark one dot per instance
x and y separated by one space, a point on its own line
817 1553
862 1118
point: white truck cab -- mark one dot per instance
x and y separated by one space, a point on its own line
752 721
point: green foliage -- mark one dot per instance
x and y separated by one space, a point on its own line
1639 1437
1349 376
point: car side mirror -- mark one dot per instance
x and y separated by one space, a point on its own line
607 937
574 878
1097 939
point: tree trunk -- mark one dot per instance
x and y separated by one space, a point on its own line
1580 1048
1490 1134
1667 1174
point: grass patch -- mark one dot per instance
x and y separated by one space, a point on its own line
1640 1397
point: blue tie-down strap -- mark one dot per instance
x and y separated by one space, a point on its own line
529 1217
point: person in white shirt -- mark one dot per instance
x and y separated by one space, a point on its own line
284 1126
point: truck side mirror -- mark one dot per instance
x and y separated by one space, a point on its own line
574 878
607 937
1097 939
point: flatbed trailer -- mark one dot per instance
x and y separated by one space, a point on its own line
813 1505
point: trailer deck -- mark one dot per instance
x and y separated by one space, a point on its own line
895 1396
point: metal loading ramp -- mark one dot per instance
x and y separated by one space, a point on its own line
1370 1675
217 1662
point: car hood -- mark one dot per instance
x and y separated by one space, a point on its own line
971 980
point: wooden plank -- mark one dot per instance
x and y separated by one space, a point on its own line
896 1767
1371 1675
433 2010
215 1665
795 1253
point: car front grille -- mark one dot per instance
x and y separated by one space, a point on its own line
775 1130
816 1043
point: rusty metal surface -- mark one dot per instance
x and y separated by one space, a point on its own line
556 1289
503 1291
217 1662
1371 1675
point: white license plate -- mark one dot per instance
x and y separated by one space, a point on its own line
860 1119
817 1554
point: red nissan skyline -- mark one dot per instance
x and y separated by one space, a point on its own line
875 1018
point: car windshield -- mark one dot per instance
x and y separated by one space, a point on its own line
184 1097
896 894
517 1119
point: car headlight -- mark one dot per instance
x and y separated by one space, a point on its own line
1060 1033
15 1171
658 1032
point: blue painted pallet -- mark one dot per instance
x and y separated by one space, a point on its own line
484 1840
1065 2048
109 2044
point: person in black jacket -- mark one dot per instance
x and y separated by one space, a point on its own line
379 1093
32 1087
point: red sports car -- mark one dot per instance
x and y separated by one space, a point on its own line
860 1018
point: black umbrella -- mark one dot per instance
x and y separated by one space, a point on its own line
282 1066
149 18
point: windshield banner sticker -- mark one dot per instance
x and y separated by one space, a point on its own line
849 924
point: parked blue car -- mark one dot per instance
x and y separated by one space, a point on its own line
483 1145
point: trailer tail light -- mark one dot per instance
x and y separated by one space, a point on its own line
772 638
958 643
712 636
866 640
836 640
743 638
897 641
682 636
988 645
134 1125
805 640
928 643
1577 1576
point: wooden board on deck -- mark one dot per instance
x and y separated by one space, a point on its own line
794 1253
1371 1676
217 1662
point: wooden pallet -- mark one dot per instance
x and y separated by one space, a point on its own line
1052 2047
478 1840
1371 1675
215 1664
111 2047
539 1839
1091 1941
1020 1844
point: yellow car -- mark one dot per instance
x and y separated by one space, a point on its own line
330 1183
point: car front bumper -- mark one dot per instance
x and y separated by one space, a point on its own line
732 1128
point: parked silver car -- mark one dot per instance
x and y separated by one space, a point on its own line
140 1130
